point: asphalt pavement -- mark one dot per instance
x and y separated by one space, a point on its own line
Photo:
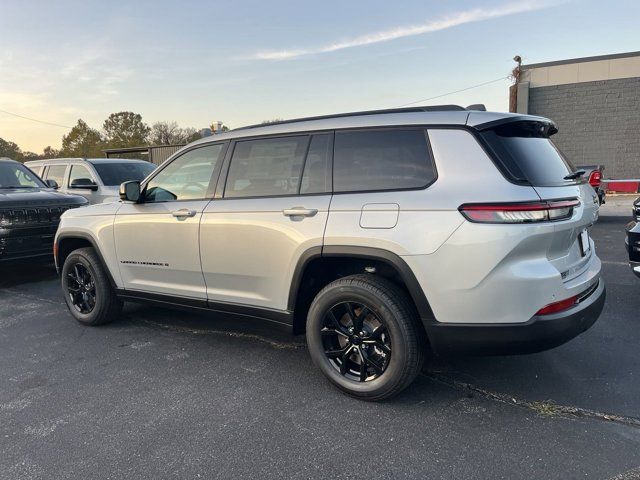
169 394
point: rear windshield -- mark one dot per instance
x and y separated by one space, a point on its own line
115 173
528 155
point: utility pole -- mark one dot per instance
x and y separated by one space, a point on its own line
513 89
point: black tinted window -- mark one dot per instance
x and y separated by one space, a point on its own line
266 167
316 177
527 154
116 173
381 160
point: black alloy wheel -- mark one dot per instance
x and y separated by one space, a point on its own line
365 336
356 341
87 289
81 289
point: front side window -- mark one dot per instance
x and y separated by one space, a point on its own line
266 167
188 177
114 173
56 172
14 175
79 171
381 160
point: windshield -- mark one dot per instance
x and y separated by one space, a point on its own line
528 154
115 173
16 175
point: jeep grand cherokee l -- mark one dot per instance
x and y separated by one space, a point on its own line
376 233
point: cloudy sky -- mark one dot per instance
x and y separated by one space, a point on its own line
246 61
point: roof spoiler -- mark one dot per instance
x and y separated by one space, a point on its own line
477 107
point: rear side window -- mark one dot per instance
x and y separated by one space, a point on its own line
317 172
382 160
266 167
526 153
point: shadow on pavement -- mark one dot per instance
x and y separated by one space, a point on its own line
16 272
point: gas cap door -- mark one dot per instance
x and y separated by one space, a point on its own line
379 215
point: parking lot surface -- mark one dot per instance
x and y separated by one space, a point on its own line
169 394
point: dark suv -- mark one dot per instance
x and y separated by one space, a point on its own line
29 212
633 239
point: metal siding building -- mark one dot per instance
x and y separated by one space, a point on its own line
596 103
153 154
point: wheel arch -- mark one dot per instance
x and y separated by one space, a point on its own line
331 262
68 242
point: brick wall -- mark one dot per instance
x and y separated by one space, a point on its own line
599 122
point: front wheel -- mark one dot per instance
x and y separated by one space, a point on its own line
364 335
86 288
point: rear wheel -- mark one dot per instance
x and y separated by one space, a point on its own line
363 334
87 291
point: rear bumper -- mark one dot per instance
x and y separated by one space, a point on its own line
538 334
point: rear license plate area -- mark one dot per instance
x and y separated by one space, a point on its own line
585 245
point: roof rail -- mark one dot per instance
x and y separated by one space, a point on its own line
428 108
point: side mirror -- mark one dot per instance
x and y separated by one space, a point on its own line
84 183
130 191
51 183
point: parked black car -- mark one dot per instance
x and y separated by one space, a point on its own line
594 174
29 212
633 239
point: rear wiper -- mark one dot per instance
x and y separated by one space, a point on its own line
574 175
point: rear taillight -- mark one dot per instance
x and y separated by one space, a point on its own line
530 212
595 178
558 306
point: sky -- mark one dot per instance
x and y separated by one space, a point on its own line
243 62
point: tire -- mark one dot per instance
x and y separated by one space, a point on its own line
399 349
84 264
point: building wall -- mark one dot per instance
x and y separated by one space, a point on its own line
599 122
157 155
606 67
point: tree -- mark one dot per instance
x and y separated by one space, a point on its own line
126 129
169 133
11 150
27 156
50 152
81 141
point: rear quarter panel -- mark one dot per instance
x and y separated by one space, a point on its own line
427 217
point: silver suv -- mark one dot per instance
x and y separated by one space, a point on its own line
379 234
96 179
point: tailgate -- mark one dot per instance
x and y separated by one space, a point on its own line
525 152
571 249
